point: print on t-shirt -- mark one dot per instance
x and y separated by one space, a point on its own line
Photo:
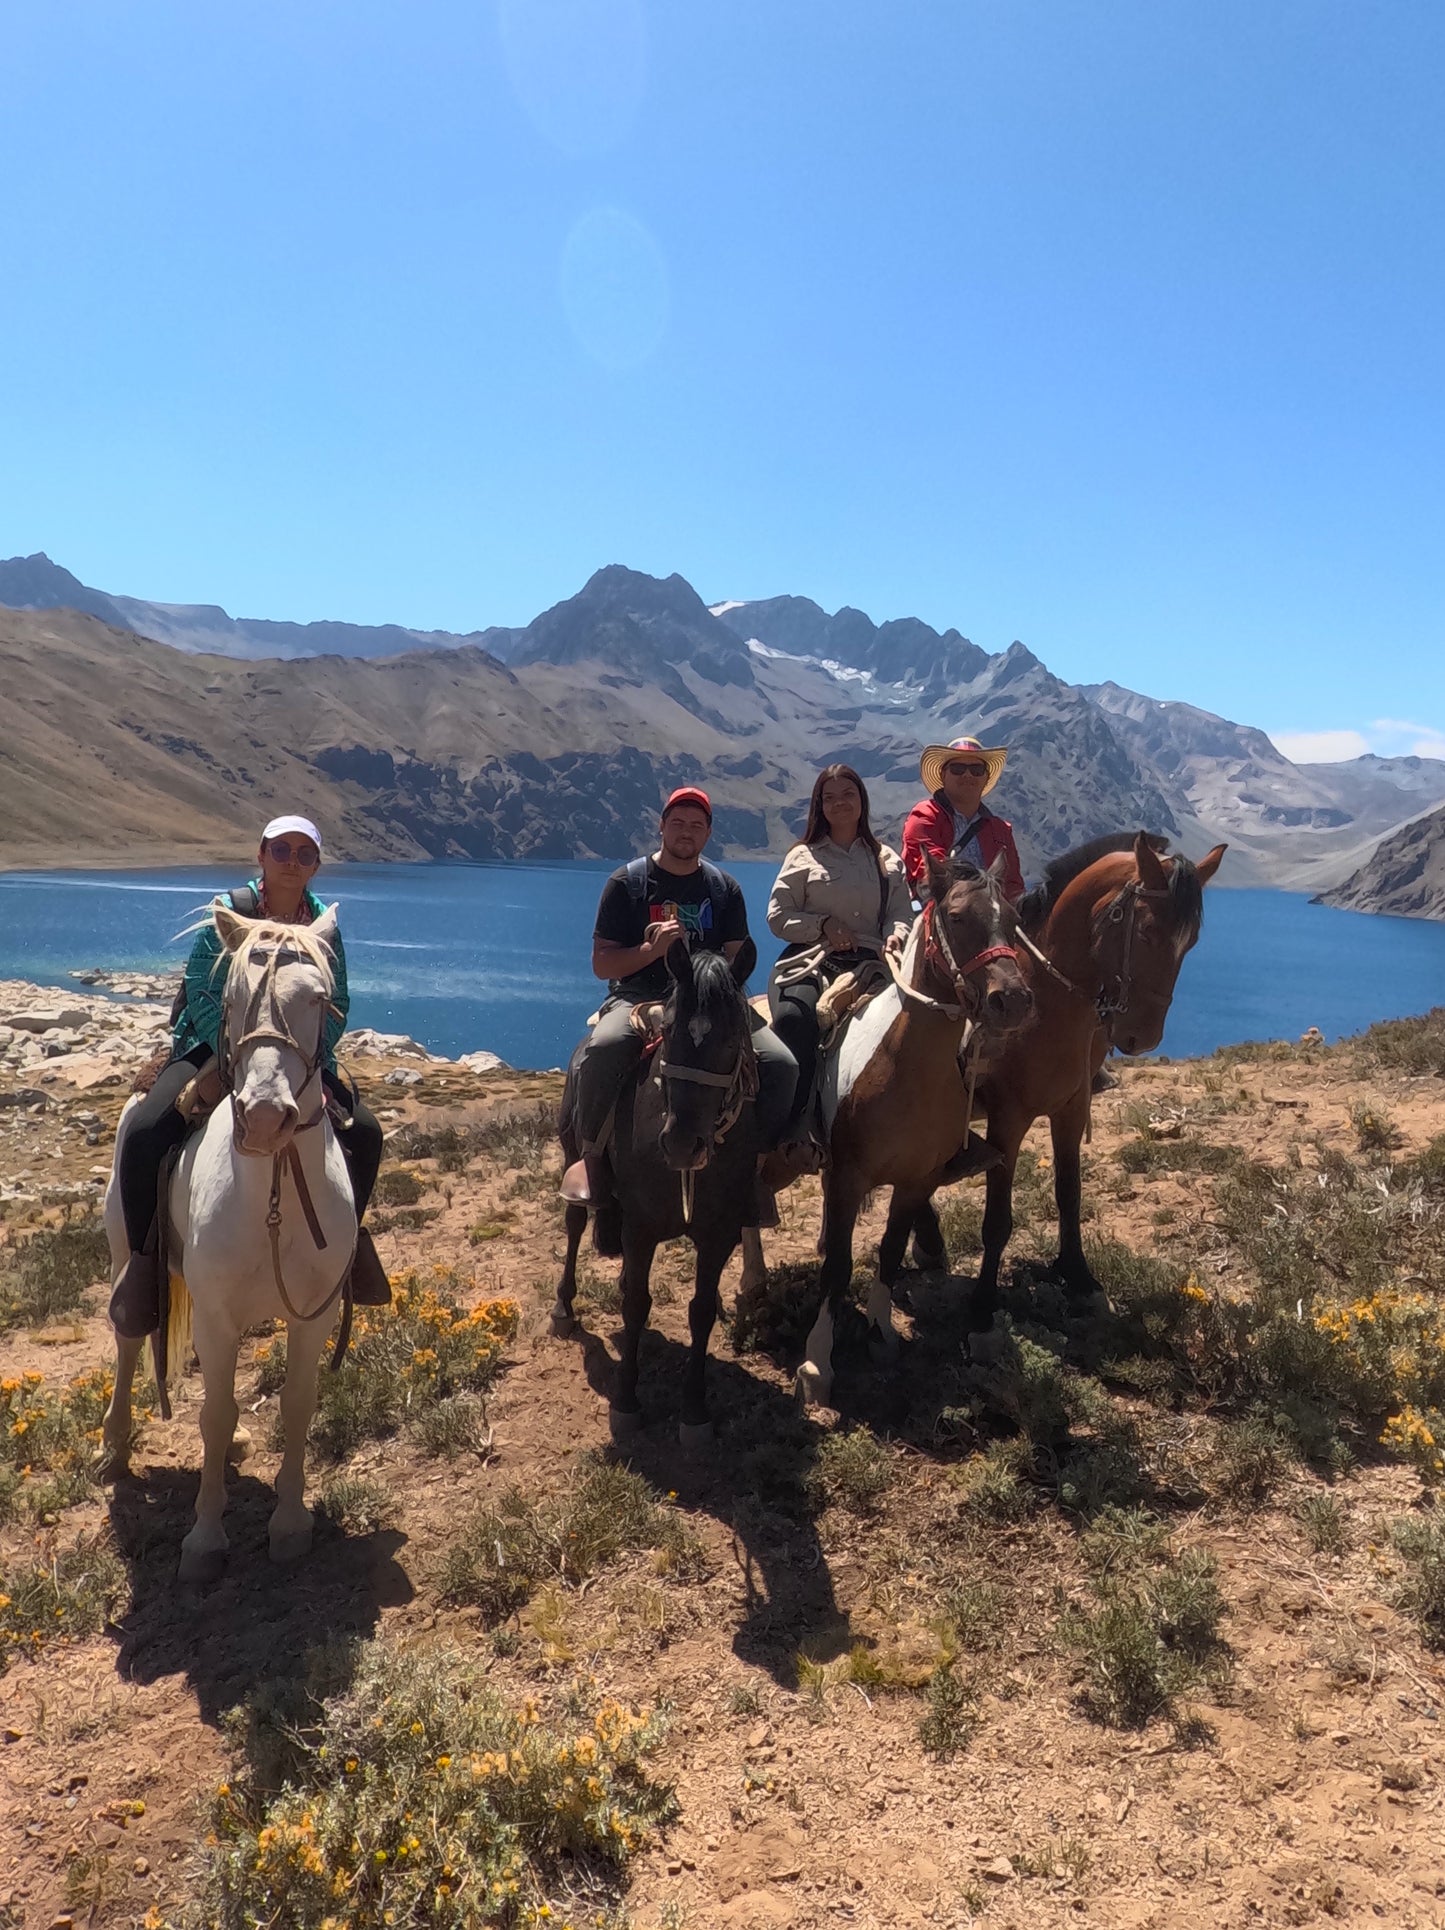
696 920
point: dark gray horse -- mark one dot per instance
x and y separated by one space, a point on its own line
684 1160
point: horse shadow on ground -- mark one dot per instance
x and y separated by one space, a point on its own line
756 1479
753 1480
254 1632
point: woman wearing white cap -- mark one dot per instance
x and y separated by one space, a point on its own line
288 860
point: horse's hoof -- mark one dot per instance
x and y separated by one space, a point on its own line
201 1564
929 1262
883 1341
563 1324
625 1422
291 1547
986 1347
881 1337
240 1444
111 1464
697 1436
811 1386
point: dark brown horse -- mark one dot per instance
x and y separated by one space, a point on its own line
895 1096
1105 936
684 1156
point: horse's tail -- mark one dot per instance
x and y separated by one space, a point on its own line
180 1330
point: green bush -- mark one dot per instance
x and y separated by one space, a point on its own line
853 1469
419 1796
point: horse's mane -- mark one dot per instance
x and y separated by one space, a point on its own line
717 991
293 938
1059 873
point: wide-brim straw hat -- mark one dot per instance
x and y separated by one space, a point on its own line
931 764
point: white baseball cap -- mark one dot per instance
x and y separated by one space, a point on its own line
298 827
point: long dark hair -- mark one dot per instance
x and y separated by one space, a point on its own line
817 828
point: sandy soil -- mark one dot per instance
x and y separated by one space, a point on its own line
1310 1791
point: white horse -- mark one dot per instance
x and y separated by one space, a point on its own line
240 1224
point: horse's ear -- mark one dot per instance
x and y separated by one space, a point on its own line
1209 863
998 870
679 964
940 877
324 928
1152 874
231 927
744 963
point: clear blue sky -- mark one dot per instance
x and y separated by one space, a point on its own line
1115 327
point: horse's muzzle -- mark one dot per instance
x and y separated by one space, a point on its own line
684 1152
264 1129
1007 1004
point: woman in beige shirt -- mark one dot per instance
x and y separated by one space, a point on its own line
840 898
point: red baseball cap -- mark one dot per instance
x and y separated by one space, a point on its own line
690 794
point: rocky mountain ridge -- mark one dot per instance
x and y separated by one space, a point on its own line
558 739
1405 876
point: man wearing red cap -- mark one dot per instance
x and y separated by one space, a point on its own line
953 821
646 906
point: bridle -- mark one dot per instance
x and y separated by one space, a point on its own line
738 1085
272 1032
263 1023
1122 910
939 956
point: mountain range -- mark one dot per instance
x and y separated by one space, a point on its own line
148 732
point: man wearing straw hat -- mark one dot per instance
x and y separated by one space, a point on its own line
954 821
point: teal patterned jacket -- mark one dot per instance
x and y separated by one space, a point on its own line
200 1022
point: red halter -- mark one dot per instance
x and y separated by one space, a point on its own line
938 951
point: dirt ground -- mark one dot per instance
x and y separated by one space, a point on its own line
1308 1789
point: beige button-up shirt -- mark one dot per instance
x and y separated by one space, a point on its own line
822 880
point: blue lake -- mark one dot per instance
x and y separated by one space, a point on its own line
496 956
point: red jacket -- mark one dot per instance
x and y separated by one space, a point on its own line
930 827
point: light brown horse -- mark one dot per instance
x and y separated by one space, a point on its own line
894 1095
1105 936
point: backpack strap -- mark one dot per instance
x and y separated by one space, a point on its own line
717 891
637 879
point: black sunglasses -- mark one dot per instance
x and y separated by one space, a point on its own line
285 851
965 770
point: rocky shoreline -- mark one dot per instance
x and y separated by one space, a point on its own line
68 1060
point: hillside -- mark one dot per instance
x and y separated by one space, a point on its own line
143 731
1130 1620
123 748
1405 877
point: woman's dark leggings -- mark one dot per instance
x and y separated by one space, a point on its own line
156 1126
796 1024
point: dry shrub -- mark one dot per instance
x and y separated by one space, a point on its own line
1422 1593
505 1552
1155 1632
50 1270
69 1593
397 1186
1406 1045
419 1796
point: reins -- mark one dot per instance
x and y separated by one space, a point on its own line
938 952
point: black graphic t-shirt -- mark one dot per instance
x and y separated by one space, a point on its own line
622 919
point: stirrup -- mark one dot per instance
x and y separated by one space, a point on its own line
975 1155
